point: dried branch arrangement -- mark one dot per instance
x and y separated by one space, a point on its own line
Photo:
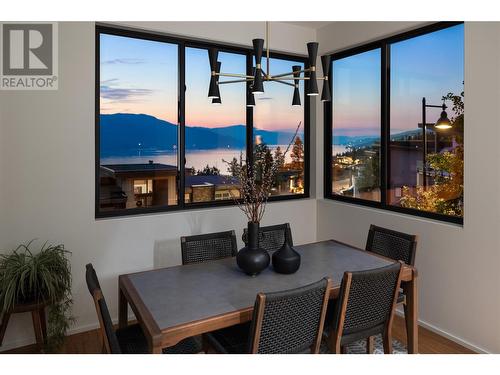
256 181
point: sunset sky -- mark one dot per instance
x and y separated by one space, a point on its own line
427 66
140 76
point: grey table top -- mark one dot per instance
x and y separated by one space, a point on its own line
183 294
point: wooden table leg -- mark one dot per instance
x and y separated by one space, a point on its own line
43 323
156 350
411 291
37 326
3 325
122 309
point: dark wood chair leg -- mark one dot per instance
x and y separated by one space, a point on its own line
370 345
122 310
411 313
205 345
334 343
387 343
343 349
3 325
37 327
406 312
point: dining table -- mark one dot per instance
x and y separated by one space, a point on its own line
178 302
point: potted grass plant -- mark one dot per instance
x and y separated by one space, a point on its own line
43 277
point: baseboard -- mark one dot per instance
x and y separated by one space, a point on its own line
448 335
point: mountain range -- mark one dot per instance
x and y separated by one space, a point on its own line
124 133
367 140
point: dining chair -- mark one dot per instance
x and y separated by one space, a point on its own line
365 307
283 322
272 237
397 246
128 340
204 247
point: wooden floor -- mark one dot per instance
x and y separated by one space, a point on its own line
429 342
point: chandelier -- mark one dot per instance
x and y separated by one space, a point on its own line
255 82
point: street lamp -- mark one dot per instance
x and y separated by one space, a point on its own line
442 123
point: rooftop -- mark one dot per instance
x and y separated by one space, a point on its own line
199 180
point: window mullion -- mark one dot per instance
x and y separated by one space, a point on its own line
249 115
384 128
181 155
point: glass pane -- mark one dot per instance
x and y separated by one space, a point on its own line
279 126
429 67
215 133
356 126
138 123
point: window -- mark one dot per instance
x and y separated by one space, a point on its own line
392 146
146 125
137 123
279 126
215 134
356 131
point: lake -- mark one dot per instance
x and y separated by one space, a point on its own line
194 158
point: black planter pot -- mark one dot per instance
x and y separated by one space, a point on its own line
286 259
252 259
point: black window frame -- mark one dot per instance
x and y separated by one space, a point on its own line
384 46
182 44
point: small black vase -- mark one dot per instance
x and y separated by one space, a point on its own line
286 259
252 259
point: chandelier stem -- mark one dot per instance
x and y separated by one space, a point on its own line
268 36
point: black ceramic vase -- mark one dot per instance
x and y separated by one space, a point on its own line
252 259
286 259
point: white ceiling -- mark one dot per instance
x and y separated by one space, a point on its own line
310 24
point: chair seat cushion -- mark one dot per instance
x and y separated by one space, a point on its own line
133 341
230 340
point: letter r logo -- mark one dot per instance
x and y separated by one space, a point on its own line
27 49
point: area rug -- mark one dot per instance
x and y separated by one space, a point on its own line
359 347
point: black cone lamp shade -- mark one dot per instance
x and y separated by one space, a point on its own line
250 99
312 87
217 70
217 100
296 98
312 52
213 89
258 82
326 95
296 94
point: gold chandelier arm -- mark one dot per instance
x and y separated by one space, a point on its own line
233 75
235 81
284 82
291 73
277 79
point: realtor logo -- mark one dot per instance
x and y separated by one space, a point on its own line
29 56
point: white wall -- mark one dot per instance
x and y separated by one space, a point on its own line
458 266
47 172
